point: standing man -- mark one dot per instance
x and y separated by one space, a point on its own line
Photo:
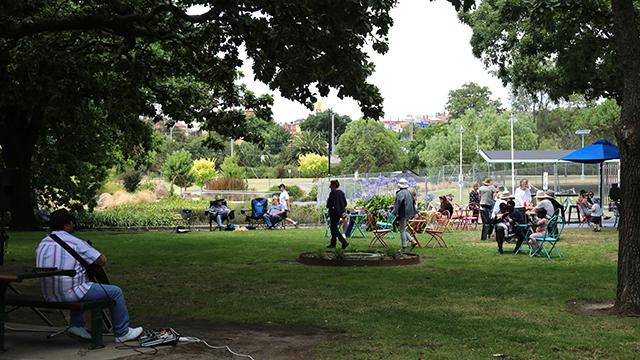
284 201
78 288
487 193
274 213
404 209
337 205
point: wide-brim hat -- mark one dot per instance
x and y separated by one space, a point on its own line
486 181
507 195
403 183
541 195
219 197
550 193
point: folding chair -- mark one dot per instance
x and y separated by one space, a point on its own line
225 218
378 234
391 218
437 231
470 219
584 219
253 216
549 242
414 227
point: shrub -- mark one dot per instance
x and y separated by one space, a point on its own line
295 192
202 171
178 163
227 183
131 179
313 165
375 203
230 168
306 214
313 193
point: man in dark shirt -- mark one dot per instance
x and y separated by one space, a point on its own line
337 205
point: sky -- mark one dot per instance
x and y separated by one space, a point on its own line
429 54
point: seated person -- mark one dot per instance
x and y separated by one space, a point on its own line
219 211
49 254
540 230
595 220
445 205
584 205
274 213
347 226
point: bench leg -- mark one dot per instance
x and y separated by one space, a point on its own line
96 329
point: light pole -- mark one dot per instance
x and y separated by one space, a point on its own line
460 176
512 120
582 133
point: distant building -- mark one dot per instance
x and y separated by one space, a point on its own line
421 121
293 127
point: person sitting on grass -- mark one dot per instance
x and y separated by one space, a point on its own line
540 230
274 213
219 211
595 220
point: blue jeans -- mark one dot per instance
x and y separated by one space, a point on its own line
271 219
119 313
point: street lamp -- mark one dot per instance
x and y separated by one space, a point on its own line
583 132
460 176
512 120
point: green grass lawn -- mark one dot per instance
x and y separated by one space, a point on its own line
464 302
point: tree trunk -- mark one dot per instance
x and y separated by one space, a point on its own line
18 139
628 135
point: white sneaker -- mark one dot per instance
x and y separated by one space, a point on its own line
131 335
79 332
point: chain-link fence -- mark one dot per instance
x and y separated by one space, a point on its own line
560 177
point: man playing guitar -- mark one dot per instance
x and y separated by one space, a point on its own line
62 250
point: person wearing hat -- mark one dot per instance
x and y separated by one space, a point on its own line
337 206
544 203
503 197
557 207
219 211
50 254
284 201
487 193
404 209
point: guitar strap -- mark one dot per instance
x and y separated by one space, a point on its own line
72 252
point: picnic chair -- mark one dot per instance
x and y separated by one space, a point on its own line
549 242
391 218
378 234
436 232
225 218
253 216
584 218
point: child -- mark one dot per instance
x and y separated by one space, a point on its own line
596 215
540 231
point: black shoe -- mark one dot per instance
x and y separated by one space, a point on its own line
345 244
331 247
413 245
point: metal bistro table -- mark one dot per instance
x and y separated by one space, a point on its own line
358 219
568 206
9 274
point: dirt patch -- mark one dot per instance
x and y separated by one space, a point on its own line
261 342
590 307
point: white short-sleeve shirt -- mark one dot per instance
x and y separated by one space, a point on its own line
522 197
50 254
284 199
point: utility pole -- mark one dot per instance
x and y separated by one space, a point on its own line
460 176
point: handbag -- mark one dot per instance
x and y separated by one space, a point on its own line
95 272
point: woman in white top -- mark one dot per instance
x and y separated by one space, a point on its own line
522 198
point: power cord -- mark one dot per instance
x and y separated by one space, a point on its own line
192 339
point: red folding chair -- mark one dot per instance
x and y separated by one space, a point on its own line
378 234
414 226
437 231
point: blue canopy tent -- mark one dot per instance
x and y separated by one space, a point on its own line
596 153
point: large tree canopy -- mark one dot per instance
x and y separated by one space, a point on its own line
62 62
321 124
470 96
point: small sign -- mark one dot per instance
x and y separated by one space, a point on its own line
545 181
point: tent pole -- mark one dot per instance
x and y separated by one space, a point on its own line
600 185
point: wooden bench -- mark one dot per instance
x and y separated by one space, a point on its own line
96 308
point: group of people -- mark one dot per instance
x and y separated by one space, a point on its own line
275 213
509 214
590 208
